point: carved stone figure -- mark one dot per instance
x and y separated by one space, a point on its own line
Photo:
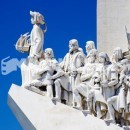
89 83
96 102
27 68
36 48
83 88
72 65
117 101
37 35
100 90
102 69
45 72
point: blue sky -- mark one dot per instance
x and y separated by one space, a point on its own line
66 19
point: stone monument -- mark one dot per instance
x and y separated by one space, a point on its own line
112 17
73 94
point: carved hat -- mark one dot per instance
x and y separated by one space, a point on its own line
104 55
37 17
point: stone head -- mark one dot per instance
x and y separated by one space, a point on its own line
49 53
73 45
117 54
92 56
89 45
36 18
103 58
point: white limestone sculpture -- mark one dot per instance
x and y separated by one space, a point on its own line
37 34
27 68
91 87
99 87
72 65
117 101
36 112
102 69
88 70
97 104
127 101
35 50
45 72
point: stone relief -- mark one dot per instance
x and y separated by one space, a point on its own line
94 84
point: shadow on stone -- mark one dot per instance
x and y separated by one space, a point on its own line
54 101
107 123
85 112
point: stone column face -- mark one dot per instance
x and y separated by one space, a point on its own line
112 17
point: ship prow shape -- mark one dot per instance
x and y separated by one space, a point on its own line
37 112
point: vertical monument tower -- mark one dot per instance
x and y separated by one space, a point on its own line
112 17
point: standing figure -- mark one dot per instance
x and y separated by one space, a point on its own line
117 101
36 48
72 65
37 35
100 87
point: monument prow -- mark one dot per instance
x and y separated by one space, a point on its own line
37 112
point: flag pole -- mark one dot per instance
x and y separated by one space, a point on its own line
127 39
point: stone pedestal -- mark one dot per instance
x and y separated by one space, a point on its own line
36 112
112 17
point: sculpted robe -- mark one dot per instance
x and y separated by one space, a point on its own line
37 39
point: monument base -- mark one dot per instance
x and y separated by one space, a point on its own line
36 112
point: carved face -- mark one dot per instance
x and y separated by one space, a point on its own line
89 46
101 59
49 53
73 45
36 18
117 54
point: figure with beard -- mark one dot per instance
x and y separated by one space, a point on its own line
72 65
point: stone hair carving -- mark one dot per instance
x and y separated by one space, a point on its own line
94 83
89 45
